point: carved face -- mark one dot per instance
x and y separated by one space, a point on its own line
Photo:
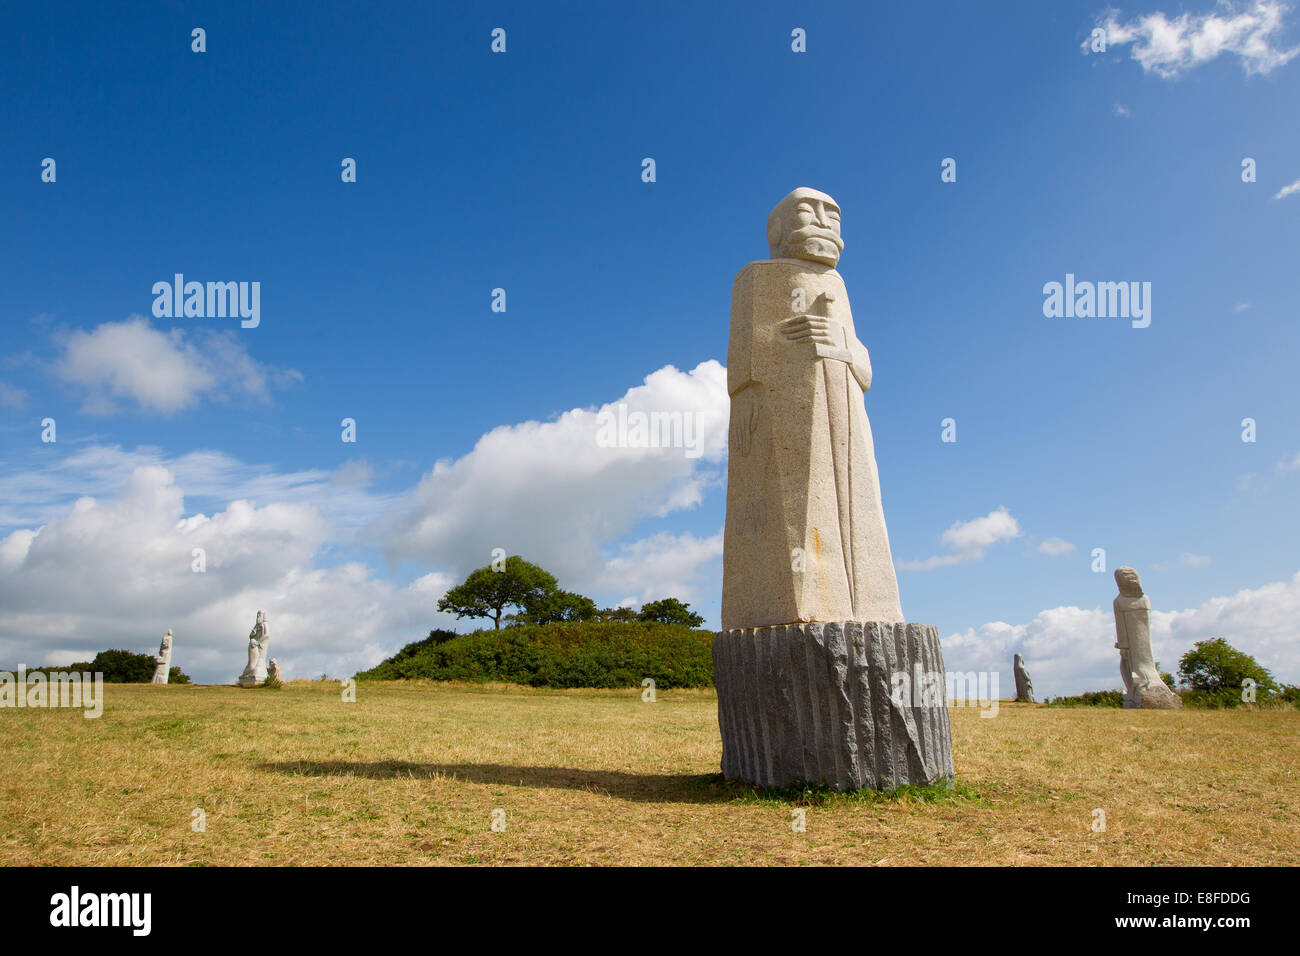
805 225
166 642
1128 582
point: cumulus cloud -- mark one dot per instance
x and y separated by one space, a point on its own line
1290 464
163 372
1054 547
1069 650
556 492
969 540
117 572
1289 190
1168 46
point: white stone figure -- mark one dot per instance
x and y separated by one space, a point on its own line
258 638
273 669
805 535
1142 684
813 639
163 660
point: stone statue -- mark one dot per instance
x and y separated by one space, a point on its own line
805 535
163 660
273 669
258 638
1142 684
813 632
1024 687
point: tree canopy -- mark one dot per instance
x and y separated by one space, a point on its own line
488 591
670 611
1216 665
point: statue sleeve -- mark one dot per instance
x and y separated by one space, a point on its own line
740 348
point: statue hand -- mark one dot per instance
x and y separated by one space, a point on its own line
817 329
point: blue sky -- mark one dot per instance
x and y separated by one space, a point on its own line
522 171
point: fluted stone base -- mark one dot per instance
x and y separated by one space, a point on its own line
824 703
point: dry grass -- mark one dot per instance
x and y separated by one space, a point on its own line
410 774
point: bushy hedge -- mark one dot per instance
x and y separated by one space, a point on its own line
561 654
1095 698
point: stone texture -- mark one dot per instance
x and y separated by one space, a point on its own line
850 705
163 662
272 669
1142 684
1024 687
805 535
258 638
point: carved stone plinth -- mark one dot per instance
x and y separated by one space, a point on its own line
850 705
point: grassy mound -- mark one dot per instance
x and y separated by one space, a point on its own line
561 654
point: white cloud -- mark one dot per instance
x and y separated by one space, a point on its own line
549 492
1054 547
1289 464
1167 46
1242 307
969 540
117 573
1288 190
1069 650
665 565
161 372
1122 111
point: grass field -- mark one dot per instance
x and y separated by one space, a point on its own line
411 774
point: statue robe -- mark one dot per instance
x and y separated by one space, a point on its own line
805 535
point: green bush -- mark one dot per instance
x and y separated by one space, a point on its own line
561 654
1095 698
177 676
124 667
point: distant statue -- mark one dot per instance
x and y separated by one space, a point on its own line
258 638
163 661
1024 687
273 669
1143 686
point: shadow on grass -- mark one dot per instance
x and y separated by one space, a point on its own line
638 787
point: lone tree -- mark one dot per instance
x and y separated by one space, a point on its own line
488 592
670 611
1216 665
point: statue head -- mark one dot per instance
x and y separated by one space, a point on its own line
1129 583
805 225
261 617
167 640
1018 661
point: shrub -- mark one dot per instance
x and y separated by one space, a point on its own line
1096 698
177 676
124 667
1216 665
561 654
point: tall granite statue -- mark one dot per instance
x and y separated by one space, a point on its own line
1024 687
819 677
163 662
1143 686
258 638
